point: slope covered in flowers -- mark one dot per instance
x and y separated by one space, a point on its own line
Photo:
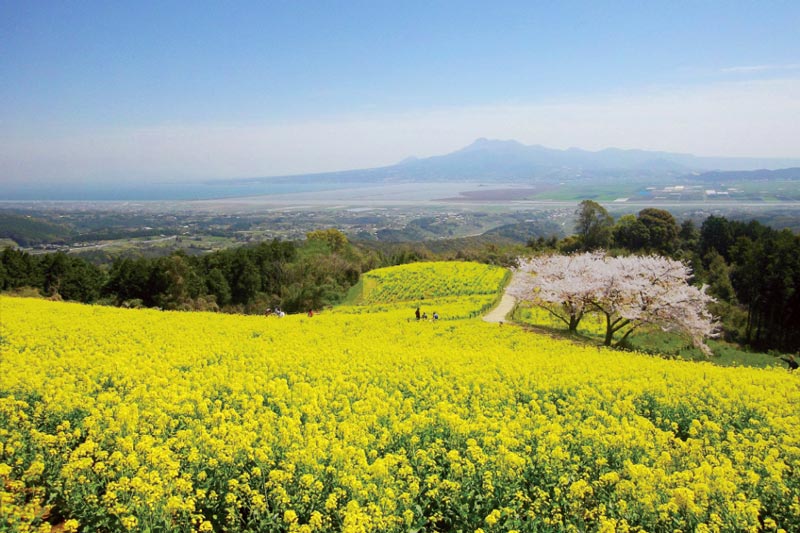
116 419
417 281
453 290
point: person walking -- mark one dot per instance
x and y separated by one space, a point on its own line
791 362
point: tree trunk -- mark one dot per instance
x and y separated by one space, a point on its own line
758 328
625 336
609 331
749 328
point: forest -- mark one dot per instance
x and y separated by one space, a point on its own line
248 279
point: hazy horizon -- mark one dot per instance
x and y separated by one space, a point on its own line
184 92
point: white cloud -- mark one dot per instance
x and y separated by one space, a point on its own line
753 118
749 69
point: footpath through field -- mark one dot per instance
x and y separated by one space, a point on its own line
498 314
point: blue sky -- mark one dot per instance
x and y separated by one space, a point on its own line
190 90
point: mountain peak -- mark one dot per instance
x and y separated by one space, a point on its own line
408 160
482 143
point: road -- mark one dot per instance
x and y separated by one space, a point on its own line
498 314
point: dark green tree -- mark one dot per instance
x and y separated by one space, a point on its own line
663 229
82 281
766 277
689 236
716 234
246 278
21 270
271 260
54 267
593 225
217 285
129 279
631 233
174 282
719 279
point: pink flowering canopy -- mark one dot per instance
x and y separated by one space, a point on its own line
628 291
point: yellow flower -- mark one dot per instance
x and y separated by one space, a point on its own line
129 522
579 489
289 516
315 520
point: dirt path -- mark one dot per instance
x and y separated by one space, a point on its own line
498 314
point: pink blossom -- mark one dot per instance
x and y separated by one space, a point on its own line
627 291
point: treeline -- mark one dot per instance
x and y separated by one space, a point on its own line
762 267
293 276
751 269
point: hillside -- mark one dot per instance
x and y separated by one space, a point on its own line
453 289
26 230
115 419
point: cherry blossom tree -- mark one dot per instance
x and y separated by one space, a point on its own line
639 290
550 282
629 292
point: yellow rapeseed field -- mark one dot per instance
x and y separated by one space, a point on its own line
452 289
141 420
418 281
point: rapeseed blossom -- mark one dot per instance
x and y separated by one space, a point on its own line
145 420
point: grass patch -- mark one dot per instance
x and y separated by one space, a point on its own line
354 293
649 340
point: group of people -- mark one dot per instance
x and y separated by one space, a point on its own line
424 315
280 313
275 312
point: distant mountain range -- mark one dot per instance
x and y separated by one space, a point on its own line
485 161
490 160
